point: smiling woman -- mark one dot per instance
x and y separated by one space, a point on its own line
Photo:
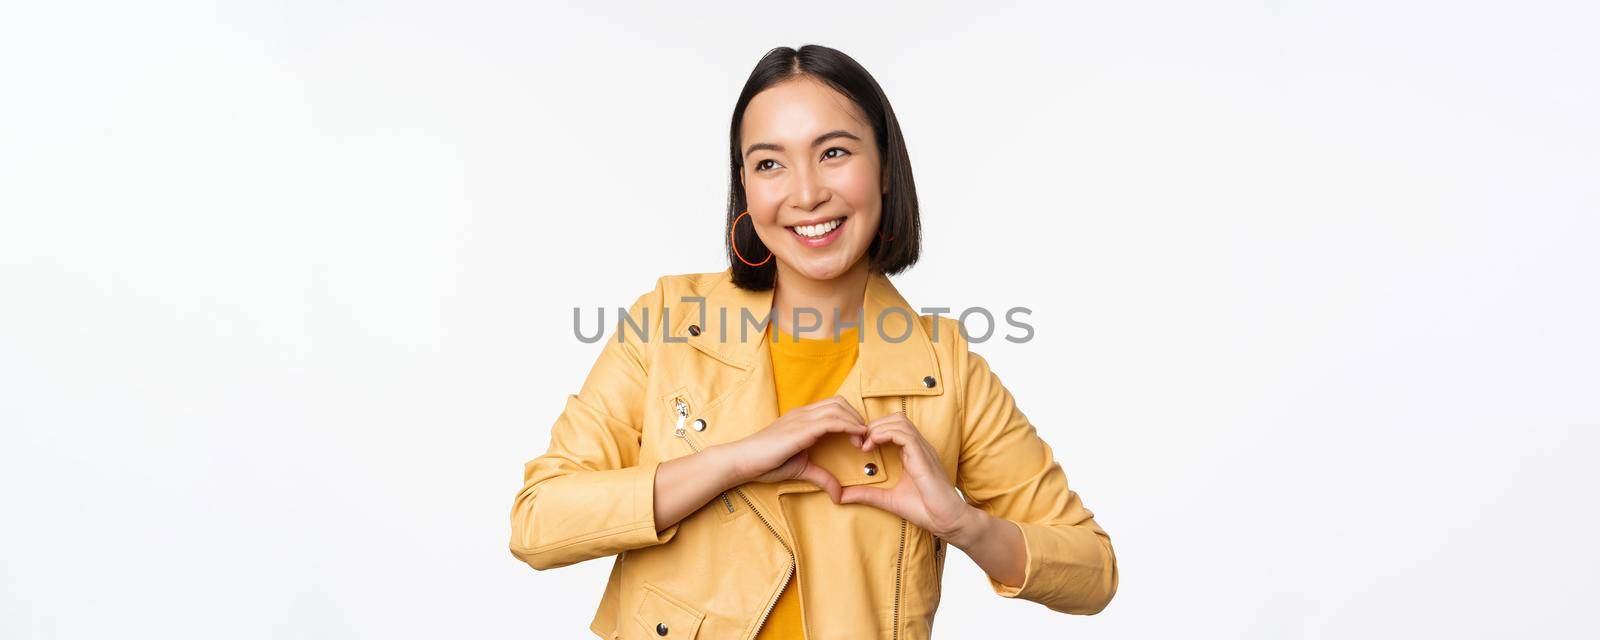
750 488
822 171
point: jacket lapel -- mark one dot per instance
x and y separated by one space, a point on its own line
895 358
896 351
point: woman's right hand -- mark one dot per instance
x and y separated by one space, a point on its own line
781 451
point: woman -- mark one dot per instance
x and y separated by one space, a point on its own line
798 477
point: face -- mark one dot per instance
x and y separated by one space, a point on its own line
812 178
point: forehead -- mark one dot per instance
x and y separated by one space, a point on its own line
798 109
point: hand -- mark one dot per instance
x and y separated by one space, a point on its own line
925 495
781 451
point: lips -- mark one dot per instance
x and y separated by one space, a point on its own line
818 234
817 230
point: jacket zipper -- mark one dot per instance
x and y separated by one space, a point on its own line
938 543
678 430
899 559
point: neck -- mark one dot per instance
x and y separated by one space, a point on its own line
841 297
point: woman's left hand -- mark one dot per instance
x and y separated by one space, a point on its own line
925 496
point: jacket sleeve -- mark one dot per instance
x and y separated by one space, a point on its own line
1007 470
588 496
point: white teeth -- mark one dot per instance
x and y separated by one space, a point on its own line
818 230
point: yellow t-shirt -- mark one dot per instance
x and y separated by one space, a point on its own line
804 372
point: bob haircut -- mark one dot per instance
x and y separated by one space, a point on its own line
898 241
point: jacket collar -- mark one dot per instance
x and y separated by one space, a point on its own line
886 365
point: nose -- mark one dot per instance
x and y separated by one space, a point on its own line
809 190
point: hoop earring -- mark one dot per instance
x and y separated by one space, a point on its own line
735 243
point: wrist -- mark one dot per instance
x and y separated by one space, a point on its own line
726 464
971 528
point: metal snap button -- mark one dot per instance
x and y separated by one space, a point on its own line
661 628
699 424
871 469
694 329
928 382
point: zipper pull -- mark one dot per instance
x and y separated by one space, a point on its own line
683 415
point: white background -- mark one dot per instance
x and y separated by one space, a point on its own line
287 294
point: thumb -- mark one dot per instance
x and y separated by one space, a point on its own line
789 470
819 476
870 496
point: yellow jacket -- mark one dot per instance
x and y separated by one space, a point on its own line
717 573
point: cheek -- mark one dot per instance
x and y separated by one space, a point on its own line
860 189
866 201
766 222
763 204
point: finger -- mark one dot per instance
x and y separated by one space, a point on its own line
866 439
911 451
889 419
791 467
841 403
848 408
886 434
918 455
881 427
835 411
819 476
863 494
837 425
912 432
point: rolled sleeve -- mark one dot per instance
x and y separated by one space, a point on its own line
1065 572
590 495
1008 471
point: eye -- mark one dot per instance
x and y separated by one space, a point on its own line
839 149
758 164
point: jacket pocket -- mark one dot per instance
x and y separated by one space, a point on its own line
662 616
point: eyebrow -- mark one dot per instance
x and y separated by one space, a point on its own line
837 133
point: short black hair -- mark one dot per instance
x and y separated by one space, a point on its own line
898 242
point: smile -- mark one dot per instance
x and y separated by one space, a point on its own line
818 235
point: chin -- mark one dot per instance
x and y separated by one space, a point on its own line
824 268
